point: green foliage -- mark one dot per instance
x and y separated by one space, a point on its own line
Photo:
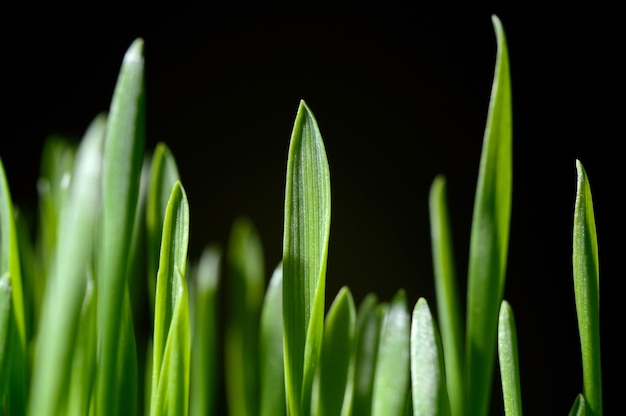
113 236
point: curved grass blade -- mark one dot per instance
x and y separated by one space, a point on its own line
489 237
65 291
246 288
392 376
509 363
163 174
305 250
579 408
272 366
448 306
123 158
172 343
368 324
428 376
336 367
587 291
204 353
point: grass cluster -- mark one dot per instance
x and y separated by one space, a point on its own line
113 231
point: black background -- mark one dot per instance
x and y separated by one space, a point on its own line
400 94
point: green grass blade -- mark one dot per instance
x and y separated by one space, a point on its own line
172 343
272 365
489 238
203 393
587 291
428 376
65 293
163 174
5 321
336 375
123 158
579 408
246 287
448 306
368 326
305 251
392 376
509 363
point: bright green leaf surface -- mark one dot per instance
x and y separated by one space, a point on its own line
367 331
489 237
579 408
305 250
272 366
587 291
509 364
428 378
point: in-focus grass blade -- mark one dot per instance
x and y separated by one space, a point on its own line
579 408
123 158
205 370
448 307
391 379
509 363
368 324
65 291
172 343
246 285
336 376
272 366
587 291
305 251
489 237
428 376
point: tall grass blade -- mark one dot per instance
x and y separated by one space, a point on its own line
305 251
489 237
335 383
172 337
123 157
428 376
67 285
587 291
392 374
368 324
5 322
272 365
246 286
509 362
205 368
448 306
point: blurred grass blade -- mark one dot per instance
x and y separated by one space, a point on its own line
123 157
489 237
509 364
65 291
448 306
336 375
163 174
428 378
587 291
367 331
126 388
203 393
579 408
391 379
172 344
305 251
272 366
5 321
246 286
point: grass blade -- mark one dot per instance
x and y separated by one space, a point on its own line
305 250
391 379
489 237
5 322
272 365
368 324
428 377
246 287
579 408
587 291
172 344
336 376
509 363
203 386
448 306
123 158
